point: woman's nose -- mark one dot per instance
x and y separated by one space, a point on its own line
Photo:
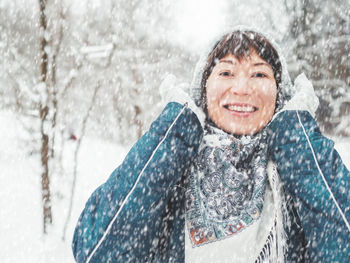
240 85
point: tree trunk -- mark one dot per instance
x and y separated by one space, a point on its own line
137 109
43 111
45 182
138 121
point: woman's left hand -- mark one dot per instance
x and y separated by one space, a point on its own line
304 98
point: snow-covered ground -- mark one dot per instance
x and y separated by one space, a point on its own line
21 238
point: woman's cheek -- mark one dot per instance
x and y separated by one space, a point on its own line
213 93
270 108
269 93
267 87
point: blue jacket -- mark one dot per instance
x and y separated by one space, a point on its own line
307 163
137 215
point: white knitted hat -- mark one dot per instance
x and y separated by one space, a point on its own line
286 89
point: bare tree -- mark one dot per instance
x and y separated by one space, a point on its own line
37 93
320 37
43 113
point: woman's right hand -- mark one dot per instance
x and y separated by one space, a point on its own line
170 91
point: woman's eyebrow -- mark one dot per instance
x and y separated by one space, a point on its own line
255 64
261 64
228 61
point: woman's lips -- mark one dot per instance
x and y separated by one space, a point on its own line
240 109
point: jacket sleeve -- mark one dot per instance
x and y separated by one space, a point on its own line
314 175
123 213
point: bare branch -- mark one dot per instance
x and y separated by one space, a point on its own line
76 154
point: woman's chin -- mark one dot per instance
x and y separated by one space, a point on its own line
241 126
239 129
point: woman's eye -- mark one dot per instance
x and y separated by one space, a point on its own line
260 75
225 73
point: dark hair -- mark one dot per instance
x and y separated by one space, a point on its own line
240 44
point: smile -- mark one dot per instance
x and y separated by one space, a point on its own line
240 108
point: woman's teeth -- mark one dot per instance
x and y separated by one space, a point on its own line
240 108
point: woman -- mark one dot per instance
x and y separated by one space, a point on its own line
203 184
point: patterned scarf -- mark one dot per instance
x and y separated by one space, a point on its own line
226 187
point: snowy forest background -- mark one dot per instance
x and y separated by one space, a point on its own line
79 84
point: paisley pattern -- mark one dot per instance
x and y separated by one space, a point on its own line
226 186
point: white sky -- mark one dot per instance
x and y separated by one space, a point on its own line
197 21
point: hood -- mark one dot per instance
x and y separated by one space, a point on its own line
286 88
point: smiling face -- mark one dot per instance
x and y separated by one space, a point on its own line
241 95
